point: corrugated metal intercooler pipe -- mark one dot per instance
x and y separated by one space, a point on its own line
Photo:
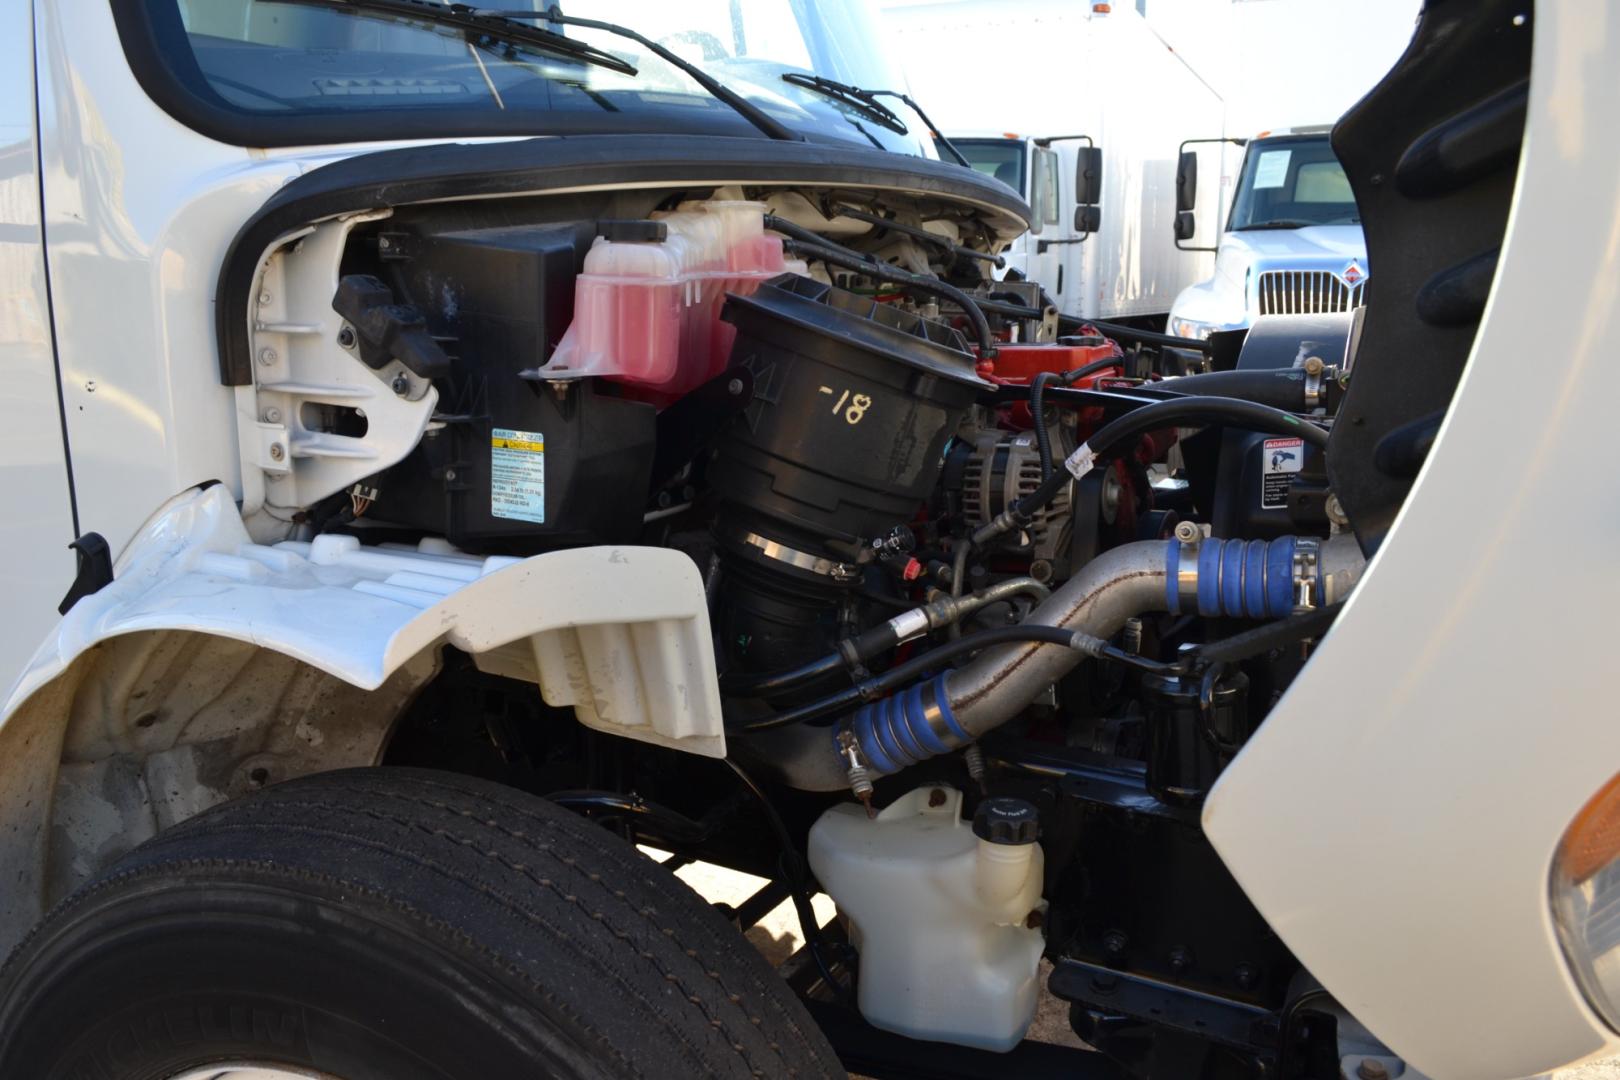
1242 579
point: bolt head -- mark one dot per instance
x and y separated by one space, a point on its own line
1114 942
936 797
401 385
264 298
277 452
345 337
272 416
1187 532
1314 365
1246 975
90 386
267 356
1180 958
1372 1069
449 474
734 387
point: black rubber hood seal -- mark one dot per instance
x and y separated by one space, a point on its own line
391 178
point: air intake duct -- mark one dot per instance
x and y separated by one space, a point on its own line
854 401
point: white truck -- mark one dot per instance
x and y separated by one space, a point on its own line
1292 241
1088 139
491 441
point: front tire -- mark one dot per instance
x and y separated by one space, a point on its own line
395 924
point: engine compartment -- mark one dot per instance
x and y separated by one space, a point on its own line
952 544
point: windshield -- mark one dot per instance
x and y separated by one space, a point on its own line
1290 184
1000 158
324 72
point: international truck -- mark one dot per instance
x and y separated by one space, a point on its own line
449 452
1291 243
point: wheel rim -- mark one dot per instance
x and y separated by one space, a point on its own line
250 1071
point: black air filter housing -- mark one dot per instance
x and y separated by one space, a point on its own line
854 401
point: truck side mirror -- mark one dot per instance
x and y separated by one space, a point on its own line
1186 182
1087 219
1088 176
1186 225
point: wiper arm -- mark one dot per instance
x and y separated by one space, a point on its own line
1280 223
862 101
463 18
747 109
866 101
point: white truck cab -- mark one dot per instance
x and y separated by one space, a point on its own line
492 441
1292 243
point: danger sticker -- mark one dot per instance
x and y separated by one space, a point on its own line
517 475
1280 460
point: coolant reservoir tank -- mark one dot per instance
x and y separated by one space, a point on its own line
941 916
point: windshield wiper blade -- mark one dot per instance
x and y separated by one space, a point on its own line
866 101
1280 223
764 121
461 17
862 101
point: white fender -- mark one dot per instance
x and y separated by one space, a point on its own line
212 665
619 633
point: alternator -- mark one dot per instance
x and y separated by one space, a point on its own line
1002 470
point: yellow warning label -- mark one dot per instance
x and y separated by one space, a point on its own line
533 446
517 475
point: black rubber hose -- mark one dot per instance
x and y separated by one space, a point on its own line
880 685
1037 401
809 243
1131 333
772 682
922 234
1184 411
889 272
1281 388
1070 324
1092 368
1037 407
1263 639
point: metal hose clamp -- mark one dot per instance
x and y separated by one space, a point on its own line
1307 573
841 572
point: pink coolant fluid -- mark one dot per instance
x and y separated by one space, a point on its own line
647 305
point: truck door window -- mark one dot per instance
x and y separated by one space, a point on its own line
1049 191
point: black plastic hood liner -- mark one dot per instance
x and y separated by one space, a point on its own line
1432 153
391 178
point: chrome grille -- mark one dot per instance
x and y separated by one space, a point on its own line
1306 292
